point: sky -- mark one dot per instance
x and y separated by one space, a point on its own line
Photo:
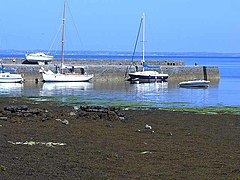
112 25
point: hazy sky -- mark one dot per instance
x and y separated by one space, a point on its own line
171 25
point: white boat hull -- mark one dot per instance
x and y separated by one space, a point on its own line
66 77
194 83
10 78
35 57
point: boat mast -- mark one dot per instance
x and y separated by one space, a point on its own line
143 38
63 33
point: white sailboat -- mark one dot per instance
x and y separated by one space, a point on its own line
146 76
38 57
61 76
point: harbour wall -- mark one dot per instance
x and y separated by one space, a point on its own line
115 70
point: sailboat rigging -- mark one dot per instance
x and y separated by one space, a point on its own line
61 76
144 76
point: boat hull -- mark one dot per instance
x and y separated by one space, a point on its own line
148 76
66 77
35 57
195 84
10 78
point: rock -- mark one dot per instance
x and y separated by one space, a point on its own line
4 118
148 126
72 114
44 119
170 134
3 168
121 118
65 122
17 108
23 111
98 112
146 152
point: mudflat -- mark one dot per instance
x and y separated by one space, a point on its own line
42 140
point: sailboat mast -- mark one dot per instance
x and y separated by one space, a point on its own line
143 38
63 33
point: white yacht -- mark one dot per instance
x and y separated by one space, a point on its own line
7 77
38 57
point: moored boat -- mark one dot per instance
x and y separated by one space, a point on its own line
7 77
38 57
194 83
145 75
148 76
49 76
60 75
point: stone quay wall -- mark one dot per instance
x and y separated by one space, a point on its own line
115 70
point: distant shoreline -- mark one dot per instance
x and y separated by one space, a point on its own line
119 55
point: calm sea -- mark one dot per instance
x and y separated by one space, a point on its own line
226 92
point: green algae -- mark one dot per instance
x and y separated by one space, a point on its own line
211 110
78 101
121 104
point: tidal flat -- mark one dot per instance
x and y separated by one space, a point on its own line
49 140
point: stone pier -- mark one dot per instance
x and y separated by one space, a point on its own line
115 70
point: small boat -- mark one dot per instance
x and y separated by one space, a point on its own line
7 77
148 75
194 83
60 75
49 76
38 57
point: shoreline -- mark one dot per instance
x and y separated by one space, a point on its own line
46 140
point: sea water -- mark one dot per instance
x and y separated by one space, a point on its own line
225 92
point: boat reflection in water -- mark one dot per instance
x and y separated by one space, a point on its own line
149 92
64 88
151 87
11 88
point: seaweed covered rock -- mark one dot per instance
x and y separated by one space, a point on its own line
98 112
17 108
24 111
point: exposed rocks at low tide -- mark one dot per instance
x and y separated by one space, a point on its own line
98 112
87 112
15 112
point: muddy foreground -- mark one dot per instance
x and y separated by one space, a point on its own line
49 141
